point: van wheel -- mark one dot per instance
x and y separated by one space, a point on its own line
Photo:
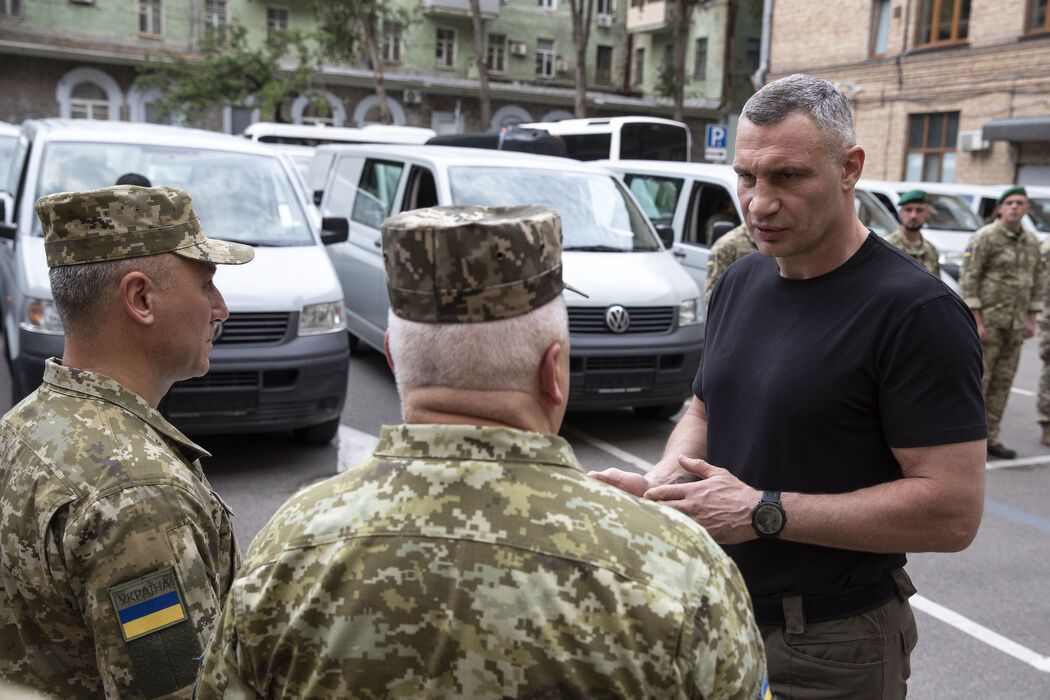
320 434
658 412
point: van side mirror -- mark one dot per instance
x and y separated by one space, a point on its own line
334 229
666 234
720 229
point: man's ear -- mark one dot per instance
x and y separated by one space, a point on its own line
386 351
852 166
550 375
137 296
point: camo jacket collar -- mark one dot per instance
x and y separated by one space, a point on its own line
472 442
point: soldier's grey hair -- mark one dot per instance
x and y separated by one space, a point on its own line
83 293
816 98
503 354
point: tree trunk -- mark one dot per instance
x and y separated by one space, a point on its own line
481 63
582 11
683 10
368 26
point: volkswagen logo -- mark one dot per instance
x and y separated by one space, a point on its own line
216 330
617 319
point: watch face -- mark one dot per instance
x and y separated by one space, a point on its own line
768 519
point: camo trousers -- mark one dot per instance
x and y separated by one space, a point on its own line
1042 404
1002 351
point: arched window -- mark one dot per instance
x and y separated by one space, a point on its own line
324 108
88 93
88 101
509 115
367 111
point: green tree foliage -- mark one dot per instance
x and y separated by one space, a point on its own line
229 71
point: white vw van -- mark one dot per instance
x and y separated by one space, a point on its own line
635 342
282 358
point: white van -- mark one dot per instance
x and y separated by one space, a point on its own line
282 358
685 201
636 341
982 201
621 138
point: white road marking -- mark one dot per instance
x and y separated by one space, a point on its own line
354 447
1022 392
981 633
1036 460
964 624
622 455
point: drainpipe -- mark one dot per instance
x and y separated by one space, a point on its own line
759 78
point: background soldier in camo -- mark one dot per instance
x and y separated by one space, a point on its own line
734 245
115 551
1043 402
470 557
914 211
1003 281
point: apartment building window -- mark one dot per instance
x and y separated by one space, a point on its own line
276 20
547 4
544 58
1038 16
931 147
446 48
639 65
880 27
603 65
88 101
700 59
215 14
943 21
150 14
753 54
393 42
606 7
11 8
496 53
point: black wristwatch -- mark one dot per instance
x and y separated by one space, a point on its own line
768 517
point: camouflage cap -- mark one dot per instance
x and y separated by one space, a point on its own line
472 264
114 223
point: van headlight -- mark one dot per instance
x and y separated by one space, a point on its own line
316 319
689 313
41 316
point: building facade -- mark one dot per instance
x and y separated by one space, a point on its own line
79 58
942 90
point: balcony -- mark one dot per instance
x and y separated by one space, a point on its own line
649 15
461 8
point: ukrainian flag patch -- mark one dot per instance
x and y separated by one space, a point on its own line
148 604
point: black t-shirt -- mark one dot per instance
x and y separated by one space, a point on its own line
809 383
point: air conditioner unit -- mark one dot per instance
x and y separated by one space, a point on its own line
519 48
973 141
605 21
561 65
412 97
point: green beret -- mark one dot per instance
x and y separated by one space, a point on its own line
912 196
116 223
472 264
1009 191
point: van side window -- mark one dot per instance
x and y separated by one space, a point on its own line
588 146
375 192
642 141
657 195
420 190
708 204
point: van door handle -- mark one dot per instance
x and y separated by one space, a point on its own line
678 254
377 242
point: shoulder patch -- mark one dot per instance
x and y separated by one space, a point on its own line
148 604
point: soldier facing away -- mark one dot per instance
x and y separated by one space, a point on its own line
469 556
115 551
734 245
914 210
1002 280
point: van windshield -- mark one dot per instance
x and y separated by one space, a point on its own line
596 212
949 213
1039 213
238 196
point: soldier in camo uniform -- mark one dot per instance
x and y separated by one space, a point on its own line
734 245
914 211
1043 402
115 551
1002 280
470 557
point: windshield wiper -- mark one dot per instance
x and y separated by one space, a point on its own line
597 248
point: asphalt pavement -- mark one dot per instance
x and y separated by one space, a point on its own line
983 614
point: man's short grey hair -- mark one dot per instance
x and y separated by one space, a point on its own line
494 355
817 98
83 293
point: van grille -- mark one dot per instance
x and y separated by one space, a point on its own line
644 319
255 328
